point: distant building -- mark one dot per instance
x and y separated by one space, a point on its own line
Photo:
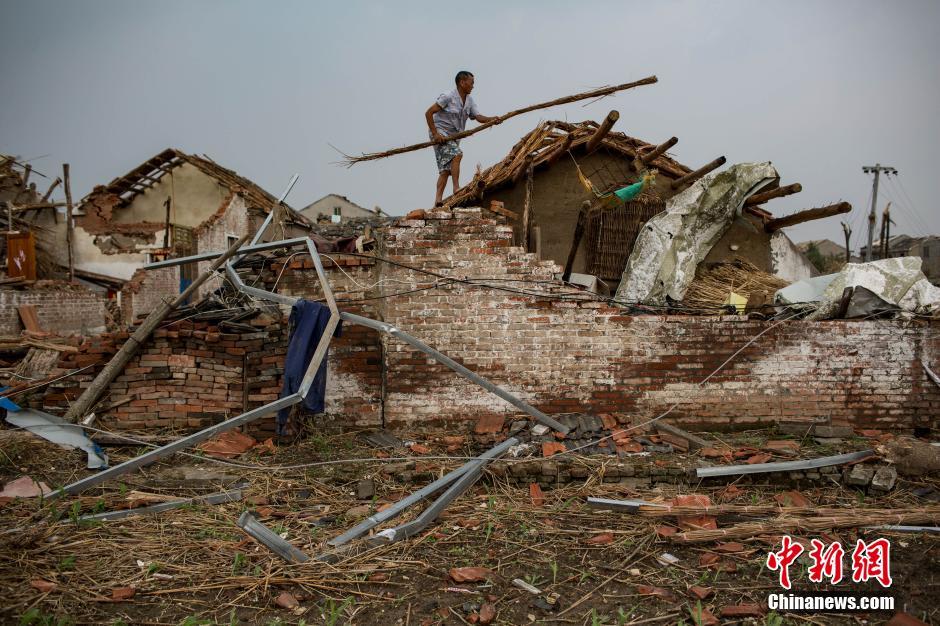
927 248
337 207
826 255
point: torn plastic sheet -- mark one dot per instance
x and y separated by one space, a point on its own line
896 283
58 431
672 244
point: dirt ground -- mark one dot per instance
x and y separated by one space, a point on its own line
193 565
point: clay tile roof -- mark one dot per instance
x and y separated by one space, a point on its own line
544 143
149 172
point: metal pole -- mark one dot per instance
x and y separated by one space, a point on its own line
179 444
374 520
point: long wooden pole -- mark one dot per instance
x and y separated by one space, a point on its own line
526 211
807 215
596 93
68 219
576 240
114 367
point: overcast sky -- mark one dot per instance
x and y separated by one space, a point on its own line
818 88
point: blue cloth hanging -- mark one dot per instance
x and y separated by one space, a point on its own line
308 322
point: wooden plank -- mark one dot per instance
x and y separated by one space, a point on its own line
29 318
496 208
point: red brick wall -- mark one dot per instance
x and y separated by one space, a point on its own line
561 356
586 356
61 308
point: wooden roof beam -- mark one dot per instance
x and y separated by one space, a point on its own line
807 216
779 192
694 176
648 157
602 131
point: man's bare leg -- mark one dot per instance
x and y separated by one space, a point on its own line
441 183
455 171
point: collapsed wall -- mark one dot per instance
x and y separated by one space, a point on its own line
559 354
60 308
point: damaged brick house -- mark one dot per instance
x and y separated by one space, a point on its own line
560 352
541 183
172 204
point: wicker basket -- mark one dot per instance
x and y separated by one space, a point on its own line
612 230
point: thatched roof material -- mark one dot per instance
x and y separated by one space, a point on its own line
548 142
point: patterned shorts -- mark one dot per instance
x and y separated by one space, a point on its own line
445 153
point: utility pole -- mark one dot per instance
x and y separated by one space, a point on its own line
875 169
885 231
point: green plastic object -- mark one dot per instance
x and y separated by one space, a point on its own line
630 191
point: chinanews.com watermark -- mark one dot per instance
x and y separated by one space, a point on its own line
869 561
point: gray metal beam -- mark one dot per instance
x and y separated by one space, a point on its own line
629 506
471 474
270 539
460 369
785 466
208 256
374 520
214 498
176 446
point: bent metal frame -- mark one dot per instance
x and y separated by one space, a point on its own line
459 479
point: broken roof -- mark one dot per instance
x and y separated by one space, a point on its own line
148 173
545 143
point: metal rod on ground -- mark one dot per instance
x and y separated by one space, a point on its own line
214 498
785 466
779 192
470 476
602 131
658 151
374 520
628 506
68 219
114 367
807 216
460 369
694 176
179 444
270 539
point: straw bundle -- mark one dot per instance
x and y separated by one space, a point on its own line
832 519
715 282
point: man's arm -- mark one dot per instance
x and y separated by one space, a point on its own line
485 119
429 116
